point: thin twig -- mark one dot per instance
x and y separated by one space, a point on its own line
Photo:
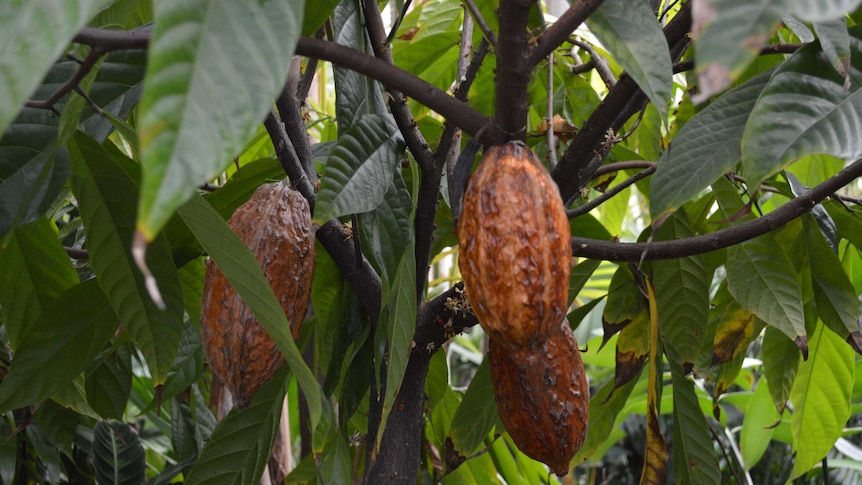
616 189
480 21
76 253
624 165
601 64
556 34
616 251
86 66
552 141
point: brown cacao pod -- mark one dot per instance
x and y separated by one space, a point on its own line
515 247
276 224
543 398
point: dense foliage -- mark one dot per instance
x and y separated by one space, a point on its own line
706 150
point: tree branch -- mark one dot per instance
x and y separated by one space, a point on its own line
577 164
615 251
291 117
113 40
616 189
85 67
513 72
562 29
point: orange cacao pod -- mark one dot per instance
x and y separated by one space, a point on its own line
515 247
276 224
543 398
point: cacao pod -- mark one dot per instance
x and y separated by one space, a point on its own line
276 225
515 247
543 398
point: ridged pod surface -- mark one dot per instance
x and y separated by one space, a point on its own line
276 225
543 398
515 247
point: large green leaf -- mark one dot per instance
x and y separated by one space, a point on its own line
189 363
32 36
694 456
630 31
356 95
118 455
116 90
386 231
757 425
682 293
241 269
108 384
32 168
106 190
359 169
400 314
68 334
240 445
835 42
34 271
476 415
821 398
214 68
822 10
780 365
728 35
820 113
705 148
761 278
837 304
605 407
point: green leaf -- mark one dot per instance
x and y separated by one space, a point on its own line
33 34
107 192
476 415
116 90
580 275
359 169
240 446
33 169
118 456
400 325
605 406
694 457
682 293
728 36
761 278
757 425
819 113
240 267
385 232
335 461
356 95
631 33
316 15
189 363
821 399
476 471
780 365
34 271
109 384
822 10
68 334
706 147
837 304
214 68
835 42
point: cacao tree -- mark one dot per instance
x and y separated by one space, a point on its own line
707 154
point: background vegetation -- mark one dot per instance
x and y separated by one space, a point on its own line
706 149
